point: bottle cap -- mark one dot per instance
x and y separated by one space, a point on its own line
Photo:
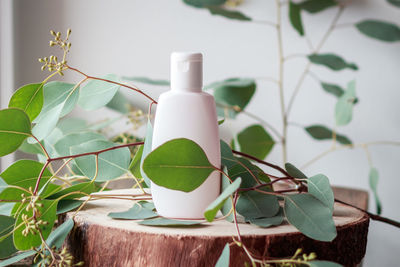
186 71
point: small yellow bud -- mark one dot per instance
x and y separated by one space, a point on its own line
52 33
51 43
312 256
69 45
68 32
58 34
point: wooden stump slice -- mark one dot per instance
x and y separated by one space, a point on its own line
99 240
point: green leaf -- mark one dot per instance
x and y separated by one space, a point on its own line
310 216
66 205
96 94
223 260
241 169
168 222
315 6
29 98
134 167
373 183
81 189
293 171
323 264
331 61
217 204
394 2
31 148
253 204
270 221
146 151
227 158
137 212
72 125
17 258
227 206
47 213
6 245
229 14
255 141
57 237
381 30
23 173
295 17
221 121
204 3
319 187
147 80
111 164
6 208
119 103
321 132
64 145
333 89
344 106
15 127
179 164
233 93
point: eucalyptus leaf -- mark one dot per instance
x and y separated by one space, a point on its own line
334 62
373 183
29 98
47 212
381 30
57 237
217 204
96 93
111 164
168 222
227 207
72 125
295 17
394 2
255 141
344 106
227 158
204 3
6 245
333 89
137 212
46 123
147 80
223 260
323 264
119 103
269 221
6 208
253 205
134 167
66 205
17 258
31 148
15 127
146 151
315 6
248 172
75 191
310 216
321 132
293 171
64 145
179 164
229 14
319 187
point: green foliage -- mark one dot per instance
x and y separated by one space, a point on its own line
111 164
230 14
137 212
57 237
321 132
134 167
217 204
96 94
233 93
344 106
253 205
310 216
66 205
319 187
315 6
293 171
45 212
394 2
255 141
147 80
6 244
23 174
227 207
29 98
334 62
333 89
63 145
168 222
381 30
248 172
119 103
223 260
323 264
179 164
373 183
204 3
17 258
15 127
75 191
227 158
269 221
146 151
295 17
72 125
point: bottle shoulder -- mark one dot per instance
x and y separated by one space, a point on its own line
175 95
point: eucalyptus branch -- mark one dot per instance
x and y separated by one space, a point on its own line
40 144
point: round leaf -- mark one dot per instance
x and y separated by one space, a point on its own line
319 187
380 30
315 6
179 164
168 222
255 141
253 204
6 245
29 98
223 260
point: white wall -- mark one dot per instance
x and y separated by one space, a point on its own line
136 38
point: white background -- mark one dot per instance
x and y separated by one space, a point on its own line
135 38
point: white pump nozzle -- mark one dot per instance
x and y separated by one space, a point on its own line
186 71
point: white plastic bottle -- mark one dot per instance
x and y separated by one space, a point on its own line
187 112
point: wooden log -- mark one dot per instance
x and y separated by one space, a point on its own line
99 240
